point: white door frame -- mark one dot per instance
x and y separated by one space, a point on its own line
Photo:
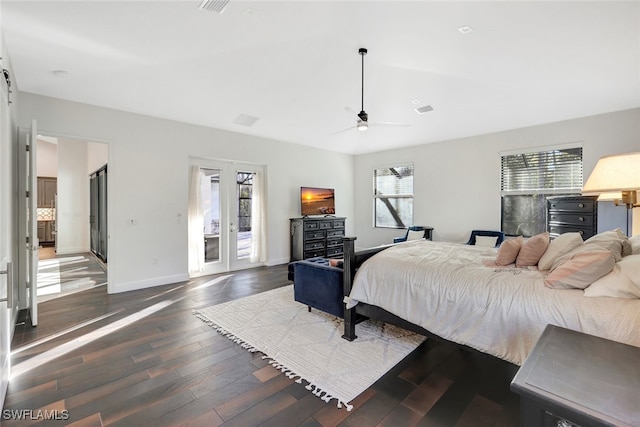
112 234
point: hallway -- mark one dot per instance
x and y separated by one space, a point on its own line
61 275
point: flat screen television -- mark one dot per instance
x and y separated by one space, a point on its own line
317 201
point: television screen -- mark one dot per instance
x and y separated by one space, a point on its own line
317 201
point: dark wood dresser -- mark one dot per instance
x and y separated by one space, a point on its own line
572 214
575 379
313 237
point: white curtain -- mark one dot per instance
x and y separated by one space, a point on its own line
196 225
258 220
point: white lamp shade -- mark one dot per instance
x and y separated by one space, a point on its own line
614 174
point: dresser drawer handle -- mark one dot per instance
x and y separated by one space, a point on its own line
581 232
581 205
581 218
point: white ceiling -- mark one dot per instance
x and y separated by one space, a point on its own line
295 64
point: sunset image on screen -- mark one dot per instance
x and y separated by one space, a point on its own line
317 201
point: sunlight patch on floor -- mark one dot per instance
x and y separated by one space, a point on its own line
63 332
76 343
212 282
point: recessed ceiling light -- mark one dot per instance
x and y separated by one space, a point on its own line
415 101
466 29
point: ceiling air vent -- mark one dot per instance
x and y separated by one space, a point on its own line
246 120
425 109
213 5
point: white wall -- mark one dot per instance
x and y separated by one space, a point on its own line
148 181
457 182
73 198
47 159
97 156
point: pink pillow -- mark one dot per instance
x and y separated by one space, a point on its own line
508 251
580 270
532 250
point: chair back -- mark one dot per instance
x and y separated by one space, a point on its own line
487 233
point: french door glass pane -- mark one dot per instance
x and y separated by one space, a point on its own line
244 193
210 190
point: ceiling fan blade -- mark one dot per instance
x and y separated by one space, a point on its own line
389 124
350 111
344 130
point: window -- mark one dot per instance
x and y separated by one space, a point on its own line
393 196
526 181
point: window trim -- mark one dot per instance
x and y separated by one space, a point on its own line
392 196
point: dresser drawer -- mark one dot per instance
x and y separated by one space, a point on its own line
571 218
335 233
338 223
314 235
586 206
334 252
311 225
313 254
314 244
324 225
557 229
334 241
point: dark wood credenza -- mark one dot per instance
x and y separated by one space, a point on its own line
316 237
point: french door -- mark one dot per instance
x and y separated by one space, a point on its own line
225 192
98 212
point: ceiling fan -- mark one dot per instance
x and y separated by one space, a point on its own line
363 118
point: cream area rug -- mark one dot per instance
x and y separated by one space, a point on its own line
308 346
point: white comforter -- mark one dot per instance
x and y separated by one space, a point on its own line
446 289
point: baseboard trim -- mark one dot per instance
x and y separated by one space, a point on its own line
148 283
277 261
69 251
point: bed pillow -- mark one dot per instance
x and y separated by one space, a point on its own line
622 282
614 241
580 270
635 244
508 251
558 247
532 250
415 235
486 241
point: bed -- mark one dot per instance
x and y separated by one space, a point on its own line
452 291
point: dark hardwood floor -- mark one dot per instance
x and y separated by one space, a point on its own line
141 358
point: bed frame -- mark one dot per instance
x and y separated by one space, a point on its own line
352 261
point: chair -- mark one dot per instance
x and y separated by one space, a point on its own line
486 233
425 235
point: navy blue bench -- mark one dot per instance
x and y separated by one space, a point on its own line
318 285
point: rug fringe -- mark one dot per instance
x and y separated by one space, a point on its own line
315 390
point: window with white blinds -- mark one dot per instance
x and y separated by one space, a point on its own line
549 172
526 181
393 196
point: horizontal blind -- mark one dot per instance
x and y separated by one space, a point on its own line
396 181
542 172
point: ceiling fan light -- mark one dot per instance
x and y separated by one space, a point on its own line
362 125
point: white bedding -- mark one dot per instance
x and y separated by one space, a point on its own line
446 289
